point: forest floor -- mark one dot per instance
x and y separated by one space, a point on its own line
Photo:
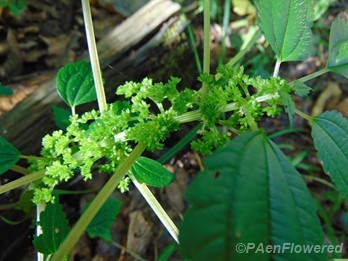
46 36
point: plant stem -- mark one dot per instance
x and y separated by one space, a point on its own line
39 208
21 181
197 115
192 39
92 49
180 145
97 203
131 253
8 206
303 115
157 208
276 68
206 44
20 169
30 157
313 75
319 180
225 22
251 121
73 111
244 49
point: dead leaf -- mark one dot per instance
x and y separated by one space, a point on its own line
56 45
343 107
139 233
175 191
329 98
244 7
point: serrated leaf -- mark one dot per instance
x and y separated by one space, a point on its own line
101 224
338 48
75 83
300 88
286 26
5 91
9 155
55 228
289 106
249 193
330 135
61 117
151 173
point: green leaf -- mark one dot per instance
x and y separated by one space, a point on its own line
289 106
300 88
26 204
286 25
75 83
167 252
249 193
330 135
320 7
55 228
15 6
101 224
151 173
338 48
9 155
61 117
5 91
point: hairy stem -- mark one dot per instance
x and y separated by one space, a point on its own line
97 203
73 111
197 115
30 157
206 45
276 68
20 169
303 115
157 208
8 206
225 22
314 75
21 181
39 208
92 49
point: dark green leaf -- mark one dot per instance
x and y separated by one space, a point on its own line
101 224
286 26
75 83
55 228
330 135
9 155
167 252
61 117
26 204
5 91
249 193
338 47
300 88
151 173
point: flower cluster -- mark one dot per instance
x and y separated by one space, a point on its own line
251 99
102 141
234 103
